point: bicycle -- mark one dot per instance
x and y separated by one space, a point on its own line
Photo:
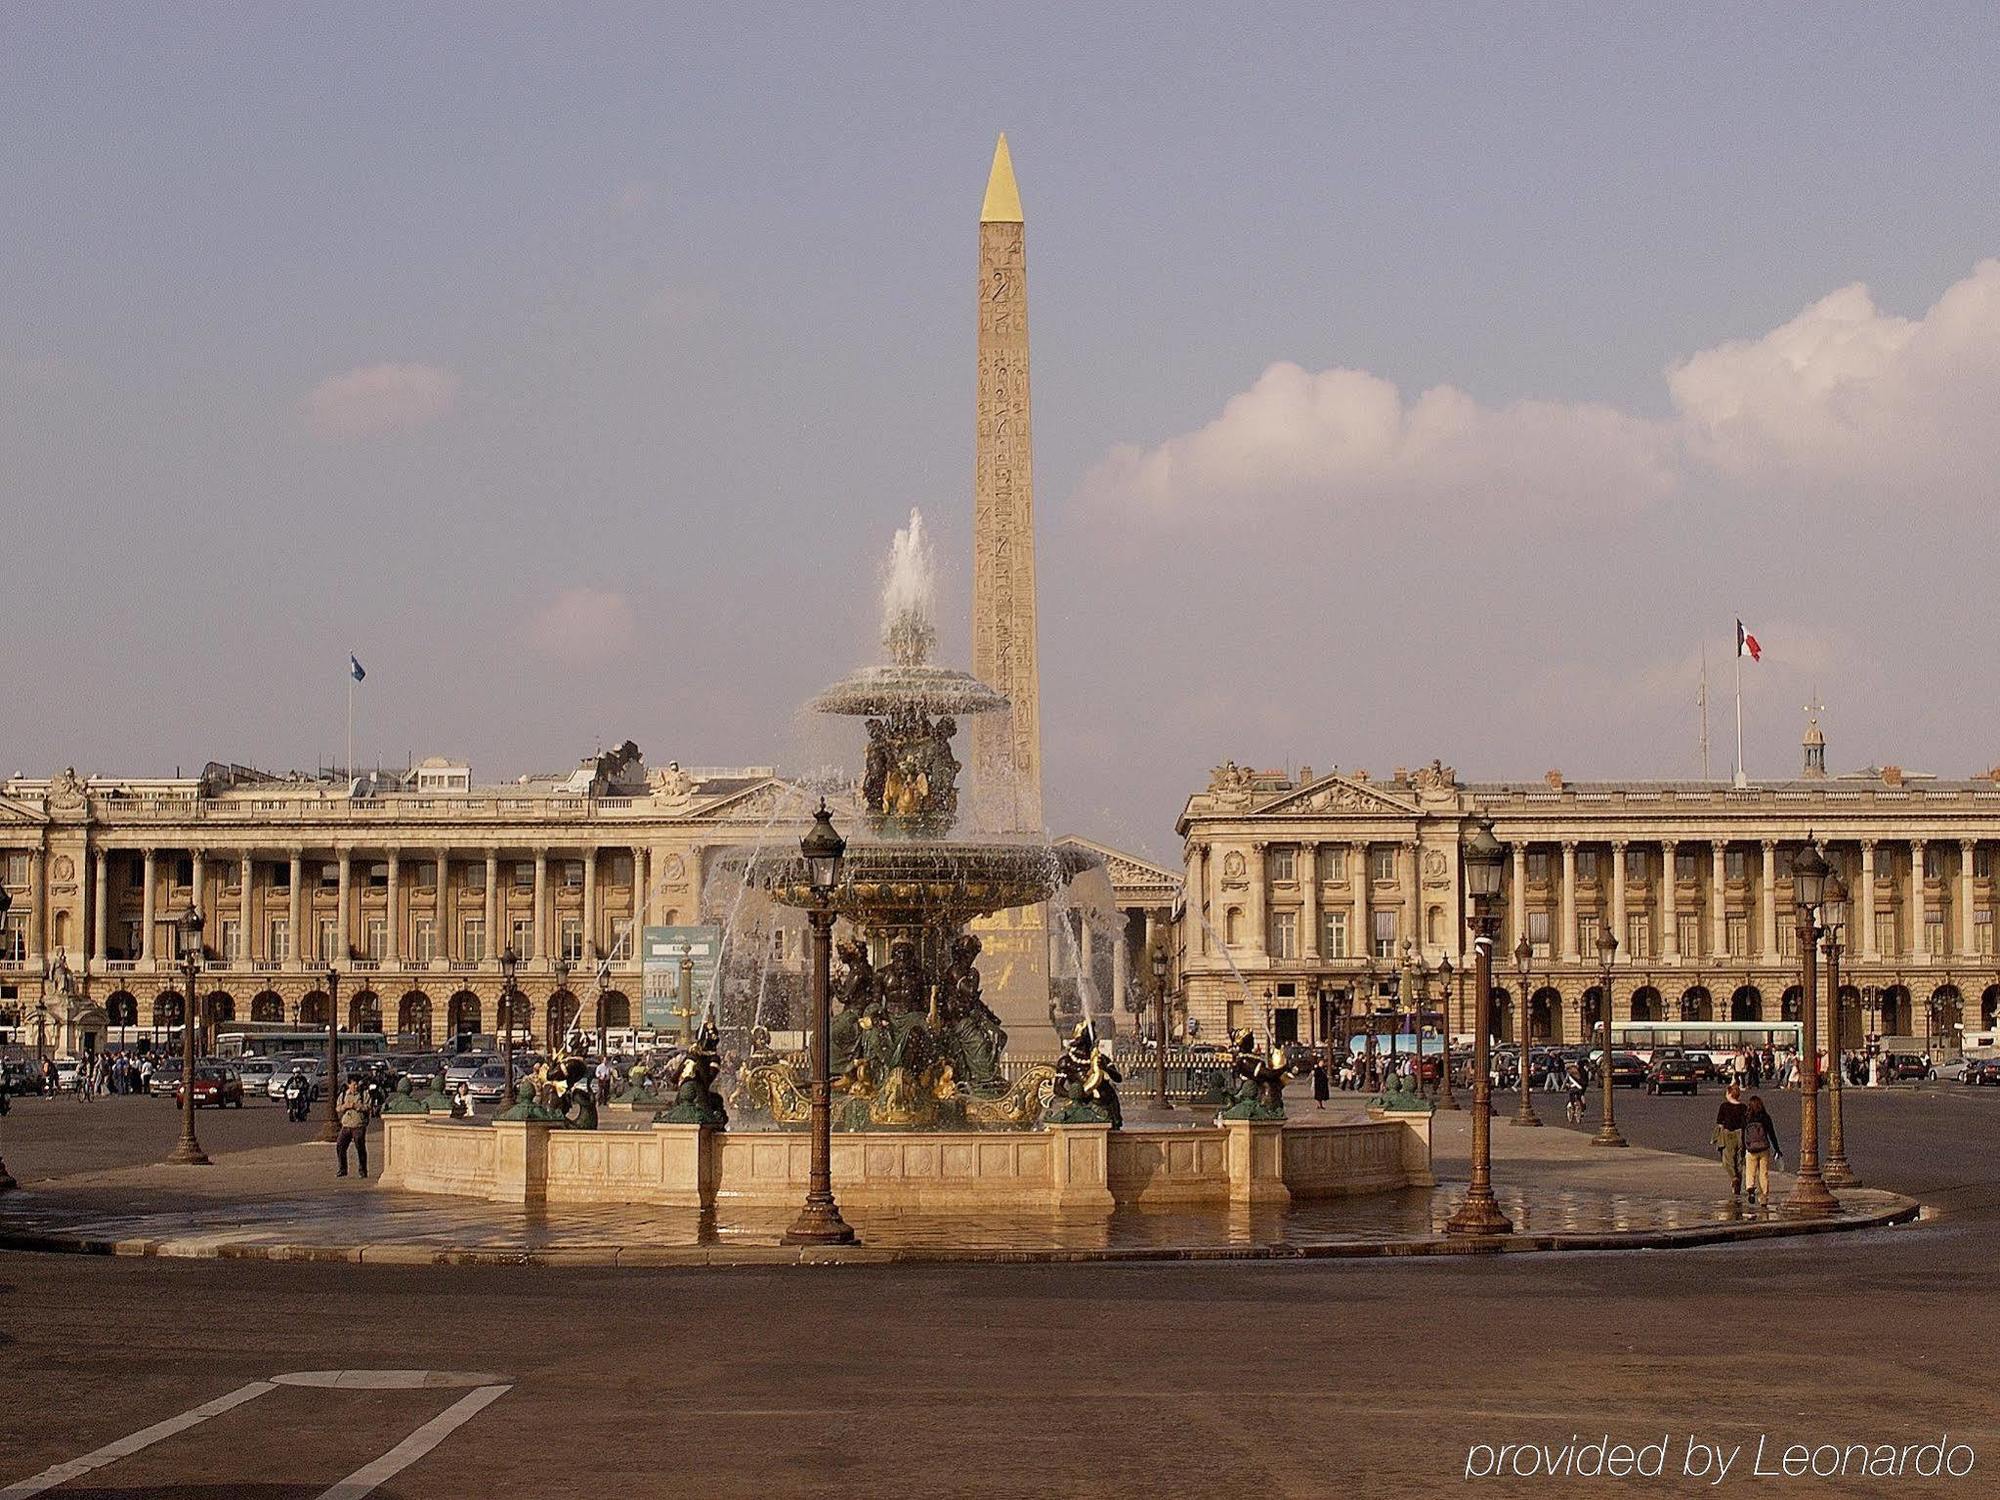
1574 1108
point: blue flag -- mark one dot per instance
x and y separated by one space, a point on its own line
354 666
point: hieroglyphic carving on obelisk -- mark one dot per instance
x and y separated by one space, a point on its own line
1007 748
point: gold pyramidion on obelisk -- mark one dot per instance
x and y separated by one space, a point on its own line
1007 748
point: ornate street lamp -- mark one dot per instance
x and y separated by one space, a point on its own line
603 984
825 854
1446 1098
330 1131
1419 1002
188 1152
1524 954
1809 1197
1833 922
1160 1024
1482 858
510 963
1607 956
562 968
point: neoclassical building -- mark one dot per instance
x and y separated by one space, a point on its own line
411 884
1314 899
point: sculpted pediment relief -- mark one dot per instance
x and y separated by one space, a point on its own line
1335 794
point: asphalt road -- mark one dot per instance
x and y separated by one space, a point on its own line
1162 1379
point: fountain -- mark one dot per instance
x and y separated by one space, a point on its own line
913 1042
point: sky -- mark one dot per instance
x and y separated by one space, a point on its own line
1408 381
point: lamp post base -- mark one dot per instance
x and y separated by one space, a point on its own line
1478 1215
187 1153
1838 1174
7 1183
1607 1135
1526 1115
1809 1199
819 1224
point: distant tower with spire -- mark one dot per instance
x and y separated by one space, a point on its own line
1814 742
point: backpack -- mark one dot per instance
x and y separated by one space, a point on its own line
1756 1136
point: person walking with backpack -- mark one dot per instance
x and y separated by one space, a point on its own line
1729 1121
1760 1145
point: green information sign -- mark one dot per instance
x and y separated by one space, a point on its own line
663 956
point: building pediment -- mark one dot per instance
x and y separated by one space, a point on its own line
16 812
1334 793
1127 872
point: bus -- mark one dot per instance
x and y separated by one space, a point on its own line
1717 1038
276 1039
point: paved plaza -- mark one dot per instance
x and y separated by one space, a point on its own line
1292 1378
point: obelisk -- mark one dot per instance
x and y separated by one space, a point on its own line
1007 748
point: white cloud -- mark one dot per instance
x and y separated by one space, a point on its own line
584 626
1843 394
376 399
1344 439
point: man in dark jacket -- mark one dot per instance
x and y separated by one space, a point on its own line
1729 1120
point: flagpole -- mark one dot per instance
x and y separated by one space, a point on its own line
1741 779
350 724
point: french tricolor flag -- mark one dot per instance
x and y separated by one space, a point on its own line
1746 644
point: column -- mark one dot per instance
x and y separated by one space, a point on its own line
441 914
1260 905
642 895
392 951
1718 899
496 940
542 906
342 932
1086 960
1194 898
1568 948
1308 871
1963 916
100 919
1867 902
1358 876
151 877
1768 903
197 877
38 918
1152 941
590 945
246 932
1919 944
1618 925
1413 914
1518 914
1670 920
297 919
1121 933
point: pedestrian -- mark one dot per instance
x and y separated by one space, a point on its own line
353 1127
1729 1120
1760 1145
1320 1090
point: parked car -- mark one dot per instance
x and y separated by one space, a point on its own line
487 1082
1673 1073
425 1073
1909 1067
1628 1070
1705 1065
216 1086
20 1077
68 1071
282 1075
1981 1071
1951 1070
256 1074
462 1067
166 1076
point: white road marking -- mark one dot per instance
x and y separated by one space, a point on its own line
389 1380
110 1453
364 1479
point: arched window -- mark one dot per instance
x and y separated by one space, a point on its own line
122 1009
1747 1004
413 1017
1232 926
1646 1004
562 1010
364 1011
462 1014
615 1009
313 1009
167 1008
267 1005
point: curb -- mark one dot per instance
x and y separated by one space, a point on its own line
1899 1211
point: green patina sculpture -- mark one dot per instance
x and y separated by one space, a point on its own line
1255 1086
1400 1098
696 1100
525 1108
402 1103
